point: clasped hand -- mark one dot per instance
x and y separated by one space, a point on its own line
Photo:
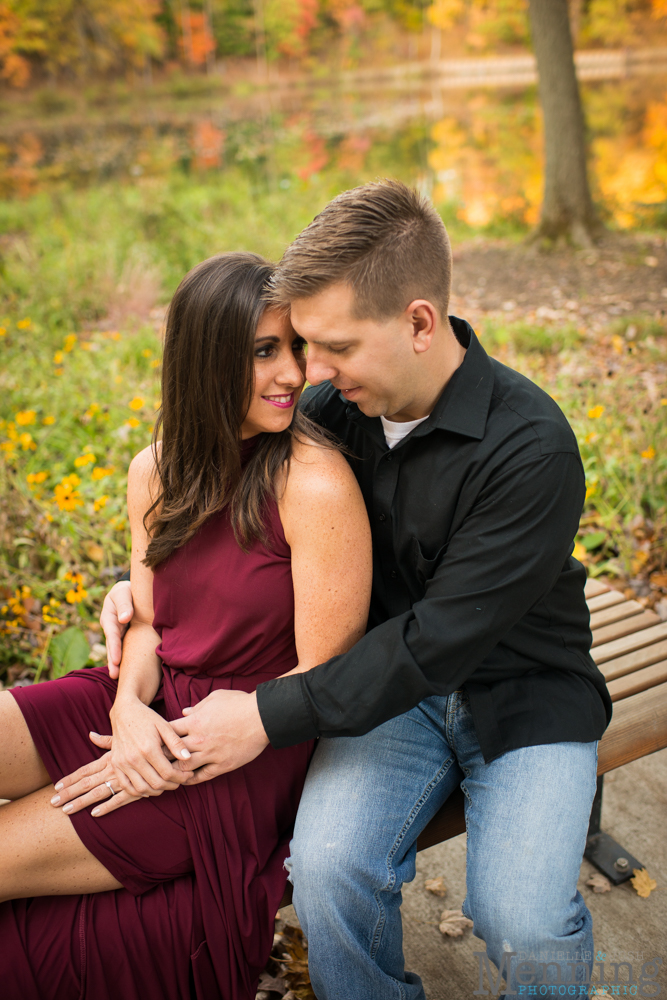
147 755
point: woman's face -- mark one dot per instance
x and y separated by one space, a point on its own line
280 365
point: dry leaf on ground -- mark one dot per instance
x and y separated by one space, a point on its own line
599 883
289 963
643 882
436 886
272 984
453 923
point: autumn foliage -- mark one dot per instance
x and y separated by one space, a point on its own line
83 37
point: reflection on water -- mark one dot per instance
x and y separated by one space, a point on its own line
477 151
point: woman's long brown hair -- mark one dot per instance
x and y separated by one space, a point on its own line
207 385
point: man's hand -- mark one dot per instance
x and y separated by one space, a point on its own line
223 732
117 612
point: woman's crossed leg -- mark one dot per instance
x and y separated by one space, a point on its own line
42 854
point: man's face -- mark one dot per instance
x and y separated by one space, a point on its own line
371 361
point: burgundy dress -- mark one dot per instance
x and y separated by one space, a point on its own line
202 867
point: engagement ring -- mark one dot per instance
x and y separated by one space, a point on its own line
108 784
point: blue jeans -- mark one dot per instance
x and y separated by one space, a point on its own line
365 802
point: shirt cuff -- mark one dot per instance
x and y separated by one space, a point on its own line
285 712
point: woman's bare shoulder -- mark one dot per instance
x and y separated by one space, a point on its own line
318 469
142 477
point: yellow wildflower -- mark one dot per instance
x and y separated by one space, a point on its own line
11 431
48 612
58 371
649 453
580 552
146 353
618 344
72 480
49 420
27 442
66 497
84 459
155 363
49 517
24 324
25 417
118 379
133 422
76 578
58 357
663 402
36 477
8 448
590 490
596 412
75 595
86 345
70 341
99 472
3 331
113 335
136 403
100 502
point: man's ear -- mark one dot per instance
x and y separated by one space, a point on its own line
424 319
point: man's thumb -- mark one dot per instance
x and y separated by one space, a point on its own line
104 742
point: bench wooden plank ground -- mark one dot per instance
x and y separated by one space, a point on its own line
630 648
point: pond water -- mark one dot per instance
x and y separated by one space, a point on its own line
476 150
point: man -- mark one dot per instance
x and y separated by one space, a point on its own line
475 669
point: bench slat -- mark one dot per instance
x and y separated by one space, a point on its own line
640 680
605 600
627 664
618 630
616 613
628 643
638 727
449 822
595 587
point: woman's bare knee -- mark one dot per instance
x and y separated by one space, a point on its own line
42 854
21 767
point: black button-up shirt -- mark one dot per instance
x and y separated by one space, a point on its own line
473 516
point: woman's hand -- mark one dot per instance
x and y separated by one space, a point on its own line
137 755
88 786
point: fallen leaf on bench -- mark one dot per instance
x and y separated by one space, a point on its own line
436 886
453 923
643 882
599 883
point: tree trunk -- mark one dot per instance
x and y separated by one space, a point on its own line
567 209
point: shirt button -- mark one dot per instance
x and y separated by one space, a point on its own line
393 574
382 517
389 457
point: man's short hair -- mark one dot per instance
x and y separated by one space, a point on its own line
383 239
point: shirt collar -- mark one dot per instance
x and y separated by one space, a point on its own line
463 404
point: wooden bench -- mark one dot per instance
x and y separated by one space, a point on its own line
630 648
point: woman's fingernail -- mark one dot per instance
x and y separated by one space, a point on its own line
91 733
68 807
95 812
186 754
55 800
58 786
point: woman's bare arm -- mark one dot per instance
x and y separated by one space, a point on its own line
327 529
136 763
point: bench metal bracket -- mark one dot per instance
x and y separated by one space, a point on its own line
603 851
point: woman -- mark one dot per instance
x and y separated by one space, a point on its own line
250 559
